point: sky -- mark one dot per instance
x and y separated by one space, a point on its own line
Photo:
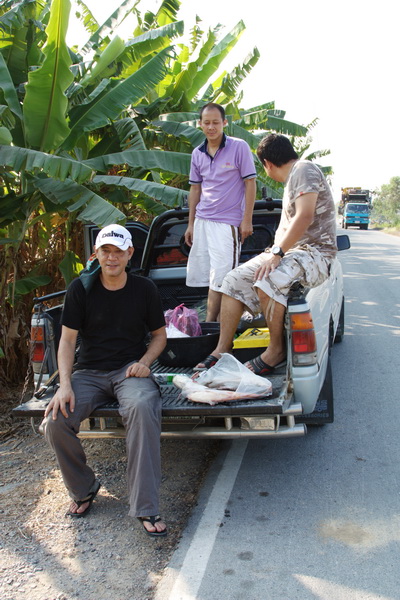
337 62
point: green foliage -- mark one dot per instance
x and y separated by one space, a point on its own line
26 285
70 266
45 104
386 205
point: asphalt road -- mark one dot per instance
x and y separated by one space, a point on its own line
315 517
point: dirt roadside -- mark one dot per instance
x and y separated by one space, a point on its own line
46 556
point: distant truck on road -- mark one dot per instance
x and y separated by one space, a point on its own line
355 207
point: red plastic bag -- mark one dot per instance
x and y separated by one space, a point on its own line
184 319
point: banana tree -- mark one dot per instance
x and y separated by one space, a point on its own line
53 104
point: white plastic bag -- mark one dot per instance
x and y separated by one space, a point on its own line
230 374
174 332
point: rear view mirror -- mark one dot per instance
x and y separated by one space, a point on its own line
343 242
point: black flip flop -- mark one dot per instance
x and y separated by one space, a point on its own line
208 362
153 521
260 367
90 497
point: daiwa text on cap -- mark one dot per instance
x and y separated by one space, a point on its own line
115 235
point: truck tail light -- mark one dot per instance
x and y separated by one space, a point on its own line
304 343
37 343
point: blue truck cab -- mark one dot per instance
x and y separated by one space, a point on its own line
356 214
355 208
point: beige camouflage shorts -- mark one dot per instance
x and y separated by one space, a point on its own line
304 265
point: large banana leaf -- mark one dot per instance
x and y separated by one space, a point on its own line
28 284
167 11
270 191
73 197
70 266
24 159
184 80
174 162
77 111
124 134
125 58
252 120
194 135
20 43
166 14
5 136
282 126
154 40
279 114
227 89
129 134
165 194
274 188
14 15
86 17
12 209
266 106
45 103
114 49
10 96
317 154
239 132
217 55
114 20
128 91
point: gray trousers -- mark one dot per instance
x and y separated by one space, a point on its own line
140 408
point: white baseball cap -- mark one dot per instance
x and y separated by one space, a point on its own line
115 235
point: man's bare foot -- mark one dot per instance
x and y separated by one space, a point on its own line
74 509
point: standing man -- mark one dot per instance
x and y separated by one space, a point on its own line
221 201
113 318
305 245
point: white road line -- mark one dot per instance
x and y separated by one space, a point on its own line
190 576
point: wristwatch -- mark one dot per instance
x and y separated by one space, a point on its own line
277 250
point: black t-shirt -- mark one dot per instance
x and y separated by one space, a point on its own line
112 324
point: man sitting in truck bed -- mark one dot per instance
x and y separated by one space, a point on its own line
304 246
112 318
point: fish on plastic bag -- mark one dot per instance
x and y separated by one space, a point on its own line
200 393
228 380
228 373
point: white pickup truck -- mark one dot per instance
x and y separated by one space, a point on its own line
302 392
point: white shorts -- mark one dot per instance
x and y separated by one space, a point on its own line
215 252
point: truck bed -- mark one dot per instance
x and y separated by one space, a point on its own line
272 416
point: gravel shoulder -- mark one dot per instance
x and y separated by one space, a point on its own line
46 556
